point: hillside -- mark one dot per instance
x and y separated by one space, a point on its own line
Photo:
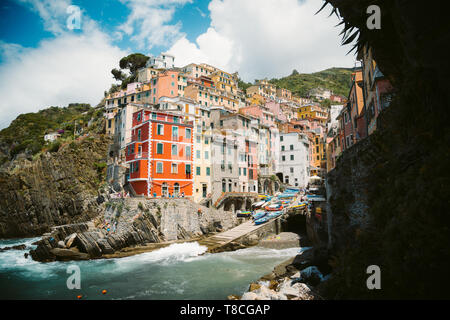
336 79
59 183
26 133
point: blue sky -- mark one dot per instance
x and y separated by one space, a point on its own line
20 25
43 63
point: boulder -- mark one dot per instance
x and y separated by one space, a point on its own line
61 244
254 286
311 276
68 254
249 296
18 247
69 240
87 243
105 246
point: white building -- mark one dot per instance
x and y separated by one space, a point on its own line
294 159
163 61
51 136
123 124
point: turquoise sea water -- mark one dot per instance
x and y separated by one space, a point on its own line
178 271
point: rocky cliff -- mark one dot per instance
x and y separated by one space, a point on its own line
128 223
56 188
394 188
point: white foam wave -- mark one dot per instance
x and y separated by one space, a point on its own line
176 252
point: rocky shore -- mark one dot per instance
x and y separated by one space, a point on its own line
131 226
299 278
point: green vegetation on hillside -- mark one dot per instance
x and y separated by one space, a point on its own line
26 132
336 79
243 85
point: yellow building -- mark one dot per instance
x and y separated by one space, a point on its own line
210 96
224 81
144 75
318 155
256 99
314 112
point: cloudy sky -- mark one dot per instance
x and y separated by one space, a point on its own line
44 63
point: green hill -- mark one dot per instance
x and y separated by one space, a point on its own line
336 79
26 132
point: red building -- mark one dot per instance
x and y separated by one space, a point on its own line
160 154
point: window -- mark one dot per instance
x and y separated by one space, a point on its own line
292 157
139 116
245 171
291 147
198 171
283 158
240 171
174 168
281 138
174 133
208 171
198 139
282 148
176 120
188 152
154 116
188 133
160 129
174 150
206 155
159 148
188 169
198 154
292 170
139 135
176 189
159 167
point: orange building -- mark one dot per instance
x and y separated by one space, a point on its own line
164 85
160 154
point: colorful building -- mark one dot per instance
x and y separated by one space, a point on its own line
160 154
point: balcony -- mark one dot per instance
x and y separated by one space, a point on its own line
137 156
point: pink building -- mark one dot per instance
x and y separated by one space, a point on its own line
263 114
275 108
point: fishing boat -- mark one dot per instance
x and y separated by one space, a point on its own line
274 214
274 207
302 204
244 214
258 204
259 215
261 220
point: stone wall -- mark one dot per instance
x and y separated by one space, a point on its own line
347 192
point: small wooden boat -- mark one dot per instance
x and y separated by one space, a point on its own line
274 207
261 220
274 214
244 214
259 215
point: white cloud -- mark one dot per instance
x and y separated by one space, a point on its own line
266 38
148 24
52 12
72 67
